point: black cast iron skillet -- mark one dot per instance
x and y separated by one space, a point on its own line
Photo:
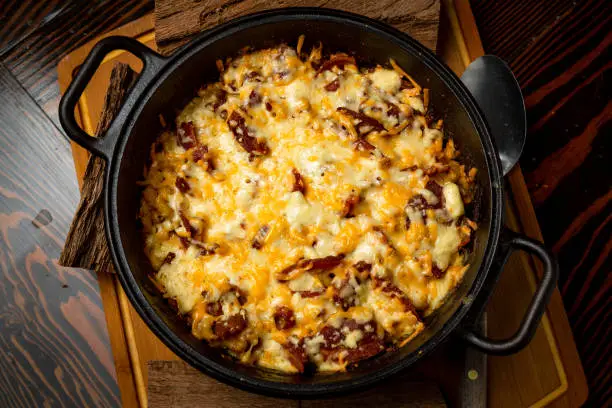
166 84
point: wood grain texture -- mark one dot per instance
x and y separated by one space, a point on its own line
561 53
176 384
176 21
54 348
34 61
86 245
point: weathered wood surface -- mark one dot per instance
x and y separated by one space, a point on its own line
86 245
176 21
178 385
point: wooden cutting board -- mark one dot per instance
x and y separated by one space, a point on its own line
548 371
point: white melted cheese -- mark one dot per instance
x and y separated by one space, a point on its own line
238 227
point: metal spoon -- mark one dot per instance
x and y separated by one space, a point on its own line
499 97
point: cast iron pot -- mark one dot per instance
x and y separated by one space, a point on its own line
167 84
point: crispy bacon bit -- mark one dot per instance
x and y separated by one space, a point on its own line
185 135
344 294
408 222
321 264
336 60
201 153
437 190
284 318
169 258
418 202
349 205
436 271
332 86
214 308
436 169
363 266
310 293
253 76
184 242
312 265
254 98
362 145
393 110
296 354
368 346
392 290
182 185
221 97
241 133
190 228
206 250
298 181
260 237
365 124
239 293
268 106
233 326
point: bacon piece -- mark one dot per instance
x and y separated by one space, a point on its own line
284 318
436 169
336 60
254 98
310 293
185 135
233 326
313 265
436 271
332 86
239 293
248 142
221 98
349 205
191 230
169 258
298 181
268 106
369 346
365 124
392 290
182 185
393 110
362 145
214 308
260 237
296 354
321 264
437 190
206 250
201 153
344 295
363 266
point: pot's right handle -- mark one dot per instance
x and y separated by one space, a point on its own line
511 241
103 145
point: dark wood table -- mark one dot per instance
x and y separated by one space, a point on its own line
54 348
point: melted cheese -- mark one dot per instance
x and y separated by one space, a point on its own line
225 240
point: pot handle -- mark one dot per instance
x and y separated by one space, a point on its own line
511 241
103 146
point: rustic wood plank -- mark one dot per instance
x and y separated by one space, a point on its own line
176 21
54 347
19 18
34 61
86 245
176 384
563 65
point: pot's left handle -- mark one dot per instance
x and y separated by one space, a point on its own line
103 145
509 242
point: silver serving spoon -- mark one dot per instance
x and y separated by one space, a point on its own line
498 95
